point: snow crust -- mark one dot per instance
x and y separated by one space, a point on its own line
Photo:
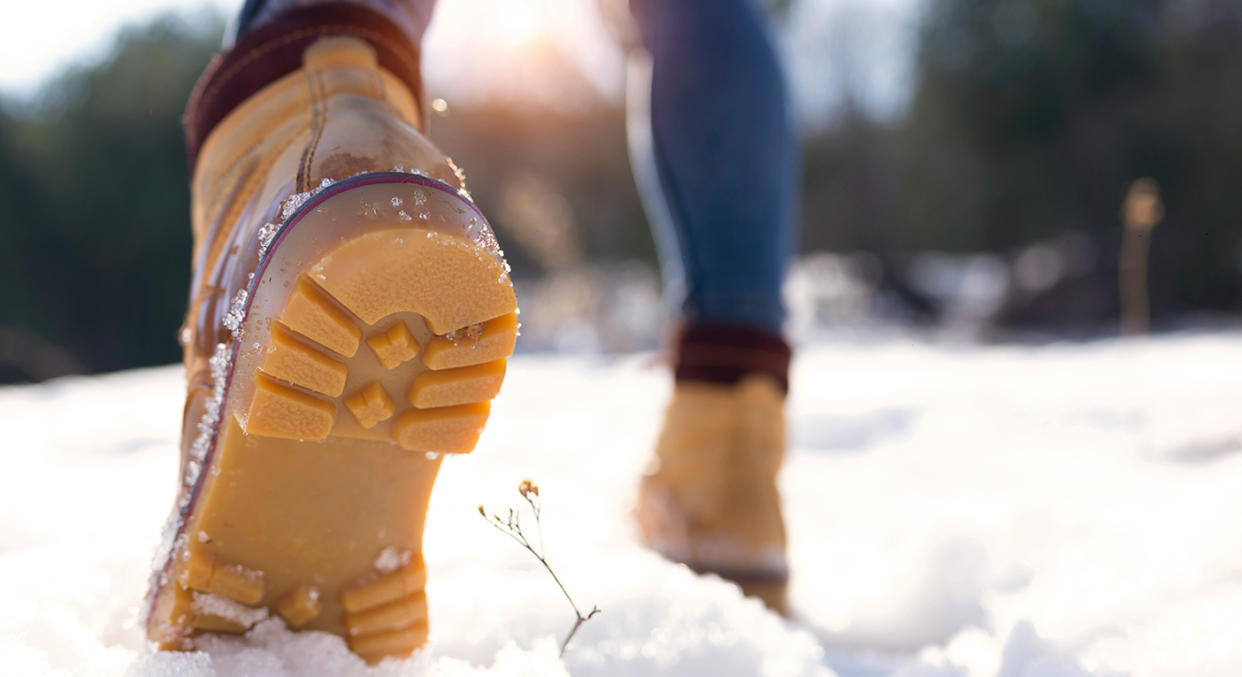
226 608
390 559
954 511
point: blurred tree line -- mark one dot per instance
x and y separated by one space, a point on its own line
94 232
1028 121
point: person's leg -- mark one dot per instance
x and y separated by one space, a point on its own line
717 135
723 146
411 15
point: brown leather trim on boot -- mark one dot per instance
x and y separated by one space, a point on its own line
274 50
722 353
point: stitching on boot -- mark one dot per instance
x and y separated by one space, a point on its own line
234 163
313 85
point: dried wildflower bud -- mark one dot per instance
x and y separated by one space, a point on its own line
481 511
528 486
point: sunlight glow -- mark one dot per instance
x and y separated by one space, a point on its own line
549 52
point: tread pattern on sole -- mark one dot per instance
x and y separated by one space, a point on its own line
212 623
288 359
374 591
299 605
370 405
233 581
312 315
217 596
279 410
453 430
461 385
424 390
221 614
486 342
386 615
396 643
298 389
439 320
394 346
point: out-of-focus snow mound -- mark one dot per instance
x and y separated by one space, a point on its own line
954 511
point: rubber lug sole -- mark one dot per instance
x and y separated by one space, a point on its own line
376 334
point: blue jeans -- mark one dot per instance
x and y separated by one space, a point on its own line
715 159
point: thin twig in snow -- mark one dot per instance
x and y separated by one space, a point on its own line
512 527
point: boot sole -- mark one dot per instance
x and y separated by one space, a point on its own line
371 341
667 530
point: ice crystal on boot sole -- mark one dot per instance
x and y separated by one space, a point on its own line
295 201
292 203
266 234
207 424
237 312
168 537
192 469
461 178
214 605
412 170
390 559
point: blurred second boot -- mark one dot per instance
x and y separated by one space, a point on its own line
710 499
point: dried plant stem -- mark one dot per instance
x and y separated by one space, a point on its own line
512 528
1140 213
1135 313
577 624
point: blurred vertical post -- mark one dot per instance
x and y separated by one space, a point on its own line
1140 213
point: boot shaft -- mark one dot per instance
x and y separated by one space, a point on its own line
339 114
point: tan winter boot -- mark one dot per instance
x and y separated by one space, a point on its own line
710 499
349 320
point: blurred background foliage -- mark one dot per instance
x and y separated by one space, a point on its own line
1026 123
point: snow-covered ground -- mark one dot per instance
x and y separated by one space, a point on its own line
954 510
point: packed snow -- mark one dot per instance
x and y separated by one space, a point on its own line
954 510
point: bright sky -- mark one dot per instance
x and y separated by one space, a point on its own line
38 37
478 48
